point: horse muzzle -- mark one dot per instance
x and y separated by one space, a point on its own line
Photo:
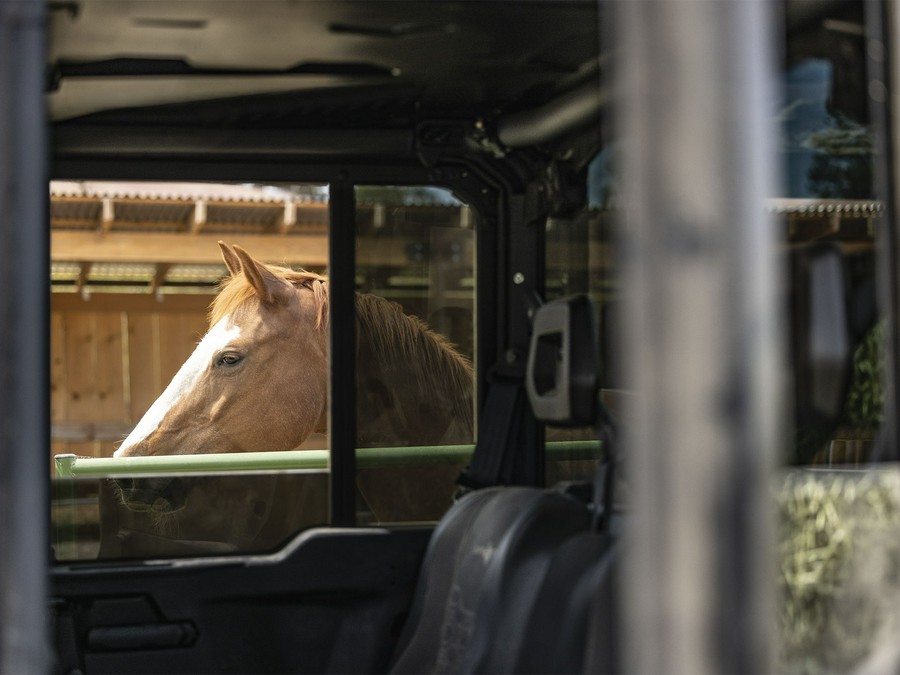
158 495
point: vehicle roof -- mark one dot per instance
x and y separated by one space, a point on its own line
314 64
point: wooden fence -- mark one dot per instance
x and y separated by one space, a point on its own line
111 356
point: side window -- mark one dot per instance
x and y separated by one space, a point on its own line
579 259
837 524
212 363
827 201
204 385
415 266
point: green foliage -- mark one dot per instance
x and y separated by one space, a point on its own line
839 575
863 411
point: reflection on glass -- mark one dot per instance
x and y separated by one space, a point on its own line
827 153
837 529
182 515
579 259
415 387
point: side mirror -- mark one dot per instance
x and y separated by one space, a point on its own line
562 374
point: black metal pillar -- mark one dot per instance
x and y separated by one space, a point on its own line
24 315
342 359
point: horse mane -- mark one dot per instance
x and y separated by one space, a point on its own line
396 339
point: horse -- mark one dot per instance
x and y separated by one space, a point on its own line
258 380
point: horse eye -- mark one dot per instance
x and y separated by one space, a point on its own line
228 359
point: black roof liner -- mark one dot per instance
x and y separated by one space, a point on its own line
142 74
363 106
476 54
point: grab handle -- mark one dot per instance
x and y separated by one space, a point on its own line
142 636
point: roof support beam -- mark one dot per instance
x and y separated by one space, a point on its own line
130 302
306 250
159 278
199 216
108 215
174 248
84 271
289 218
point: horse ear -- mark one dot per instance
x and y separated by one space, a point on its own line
232 262
268 287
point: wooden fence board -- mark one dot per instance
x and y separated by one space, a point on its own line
143 363
59 392
85 448
110 389
81 362
107 448
178 336
107 368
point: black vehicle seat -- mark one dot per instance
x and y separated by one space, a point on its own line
481 576
572 626
522 579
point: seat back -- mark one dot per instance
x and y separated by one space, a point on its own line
481 576
572 627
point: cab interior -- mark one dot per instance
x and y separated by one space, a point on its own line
501 113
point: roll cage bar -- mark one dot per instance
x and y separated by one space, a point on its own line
24 315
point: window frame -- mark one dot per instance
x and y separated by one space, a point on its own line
510 240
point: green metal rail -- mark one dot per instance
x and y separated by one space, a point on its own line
72 466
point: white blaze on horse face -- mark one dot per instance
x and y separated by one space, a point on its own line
187 376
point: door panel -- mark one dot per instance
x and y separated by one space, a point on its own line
333 600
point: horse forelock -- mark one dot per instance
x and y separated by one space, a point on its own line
236 291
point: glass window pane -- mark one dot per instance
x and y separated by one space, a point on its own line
827 200
837 522
415 260
579 259
135 268
826 129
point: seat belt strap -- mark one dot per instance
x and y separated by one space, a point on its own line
605 475
498 436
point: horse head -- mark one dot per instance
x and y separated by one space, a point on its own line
257 380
